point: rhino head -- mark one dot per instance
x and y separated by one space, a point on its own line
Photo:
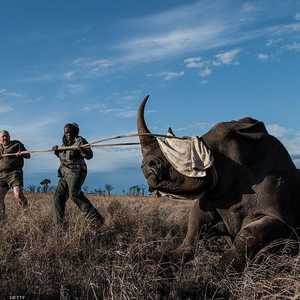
159 173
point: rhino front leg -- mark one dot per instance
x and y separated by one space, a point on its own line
197 218
252 238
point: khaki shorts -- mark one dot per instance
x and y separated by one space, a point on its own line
11 179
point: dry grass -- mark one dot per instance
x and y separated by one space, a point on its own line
128 258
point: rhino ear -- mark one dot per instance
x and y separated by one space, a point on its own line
251 129
170 132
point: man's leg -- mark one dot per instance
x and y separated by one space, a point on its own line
19 196
15 181
59 201
75 182
3 191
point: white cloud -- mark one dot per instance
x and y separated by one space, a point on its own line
4 107
249 7
86 67
227 58
272 42
194 62
205 72
206 67
171 75
96 65
292 47
174 42
75 88
195 128
43 77
14 98
277 130
129 114
282 29
203 25
263 56
292 143
167 75
69 75
6 93
106 160
288 136
116 111
93 64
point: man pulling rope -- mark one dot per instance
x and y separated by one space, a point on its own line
72 173
11 170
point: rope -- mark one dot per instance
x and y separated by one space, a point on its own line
94 144
68 148
135 135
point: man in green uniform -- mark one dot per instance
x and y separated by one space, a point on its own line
11 173
72 173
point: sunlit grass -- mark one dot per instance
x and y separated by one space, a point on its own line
128 258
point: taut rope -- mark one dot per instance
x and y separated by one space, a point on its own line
94 144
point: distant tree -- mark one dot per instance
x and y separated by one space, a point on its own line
99 191
143 187
31 188
134 190
108 188
85 188
38 189
45 184
131 190
137 189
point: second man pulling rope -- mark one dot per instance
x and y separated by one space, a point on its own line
72 173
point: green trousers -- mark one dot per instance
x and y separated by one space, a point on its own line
69 186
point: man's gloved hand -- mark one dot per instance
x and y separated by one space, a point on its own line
86 152
82 151
55 149
19 154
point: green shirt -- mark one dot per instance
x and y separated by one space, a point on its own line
11 163
73 160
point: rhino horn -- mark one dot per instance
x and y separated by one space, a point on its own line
148 143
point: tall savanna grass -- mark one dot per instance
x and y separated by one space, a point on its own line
129 257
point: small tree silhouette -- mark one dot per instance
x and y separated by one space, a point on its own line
138 190
134 190
45 183
143 187
108 188
99 191
31 188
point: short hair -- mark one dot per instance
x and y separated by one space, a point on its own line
4 132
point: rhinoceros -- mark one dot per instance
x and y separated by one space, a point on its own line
255 199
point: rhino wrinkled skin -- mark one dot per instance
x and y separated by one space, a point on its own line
256 197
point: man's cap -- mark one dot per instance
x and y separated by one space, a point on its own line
73 124
4 132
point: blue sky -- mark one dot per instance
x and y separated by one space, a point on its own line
93 61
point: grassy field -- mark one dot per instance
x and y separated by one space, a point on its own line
127 258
